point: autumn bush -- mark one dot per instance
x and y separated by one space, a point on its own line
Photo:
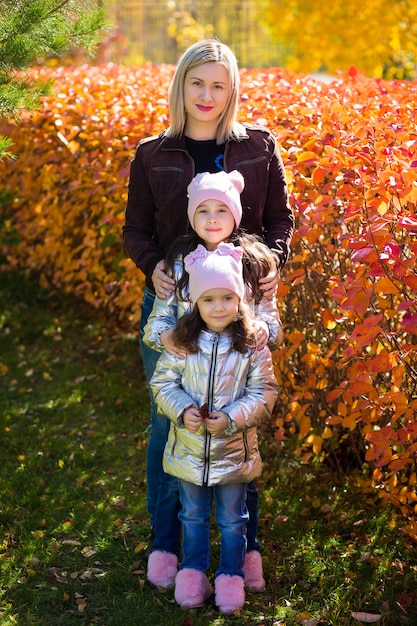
348 296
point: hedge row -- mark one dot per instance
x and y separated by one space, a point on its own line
348 296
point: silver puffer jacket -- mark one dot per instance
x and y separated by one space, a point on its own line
241 385
165 314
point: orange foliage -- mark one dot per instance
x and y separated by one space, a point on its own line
348 296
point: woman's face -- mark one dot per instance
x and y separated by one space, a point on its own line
206 93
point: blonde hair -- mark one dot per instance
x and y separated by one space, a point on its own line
205 51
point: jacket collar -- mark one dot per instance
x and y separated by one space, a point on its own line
170 143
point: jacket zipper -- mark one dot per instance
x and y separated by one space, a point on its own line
207 439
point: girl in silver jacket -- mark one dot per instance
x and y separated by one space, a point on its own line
214 397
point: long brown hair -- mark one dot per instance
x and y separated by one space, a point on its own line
188 328
258 260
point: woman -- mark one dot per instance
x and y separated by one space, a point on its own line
203 136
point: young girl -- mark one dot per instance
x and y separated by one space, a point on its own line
214 397
214 213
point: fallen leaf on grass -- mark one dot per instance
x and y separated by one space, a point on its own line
366 618
81 602
140 547
59 577
91 573
3 369
88 551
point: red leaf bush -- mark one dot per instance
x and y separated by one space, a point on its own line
348 296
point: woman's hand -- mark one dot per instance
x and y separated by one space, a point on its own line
163 284
269 283
262 333
169 345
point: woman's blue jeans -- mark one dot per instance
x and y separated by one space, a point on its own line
231 517
163 495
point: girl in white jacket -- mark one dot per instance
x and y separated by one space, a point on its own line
214 397
214 213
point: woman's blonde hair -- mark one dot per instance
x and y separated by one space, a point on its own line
205 51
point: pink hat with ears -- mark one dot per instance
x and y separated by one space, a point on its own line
216 269
222 186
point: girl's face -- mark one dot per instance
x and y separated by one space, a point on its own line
213 222
218 308
206 93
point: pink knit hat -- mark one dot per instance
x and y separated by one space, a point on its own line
220 268
222 186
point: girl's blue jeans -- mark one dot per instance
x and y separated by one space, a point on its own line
163 500
231 517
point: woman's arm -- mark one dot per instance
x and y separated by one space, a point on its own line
139 225
278 217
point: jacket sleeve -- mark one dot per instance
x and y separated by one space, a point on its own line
169 395
278 217
139 226
163 316
260 395
267 311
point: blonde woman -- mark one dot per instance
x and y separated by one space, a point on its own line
204 136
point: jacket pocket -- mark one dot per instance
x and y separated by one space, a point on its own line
246 446
166 180
254 171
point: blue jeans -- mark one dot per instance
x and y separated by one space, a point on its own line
163 500
231 517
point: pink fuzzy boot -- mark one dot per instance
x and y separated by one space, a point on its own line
254 576
192 588
230 593
162 569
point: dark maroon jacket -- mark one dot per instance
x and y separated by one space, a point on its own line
156 211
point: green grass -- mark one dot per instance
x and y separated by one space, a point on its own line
73 519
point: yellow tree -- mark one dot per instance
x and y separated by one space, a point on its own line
378 36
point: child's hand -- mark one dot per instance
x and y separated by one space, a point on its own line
169 345
192 419
217 422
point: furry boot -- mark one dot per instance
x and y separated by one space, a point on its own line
192 588
162 569
254 576
230 593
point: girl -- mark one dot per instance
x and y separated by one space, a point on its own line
214 397
203 135
214 212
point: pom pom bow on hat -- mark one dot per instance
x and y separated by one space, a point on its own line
223 186
220 268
